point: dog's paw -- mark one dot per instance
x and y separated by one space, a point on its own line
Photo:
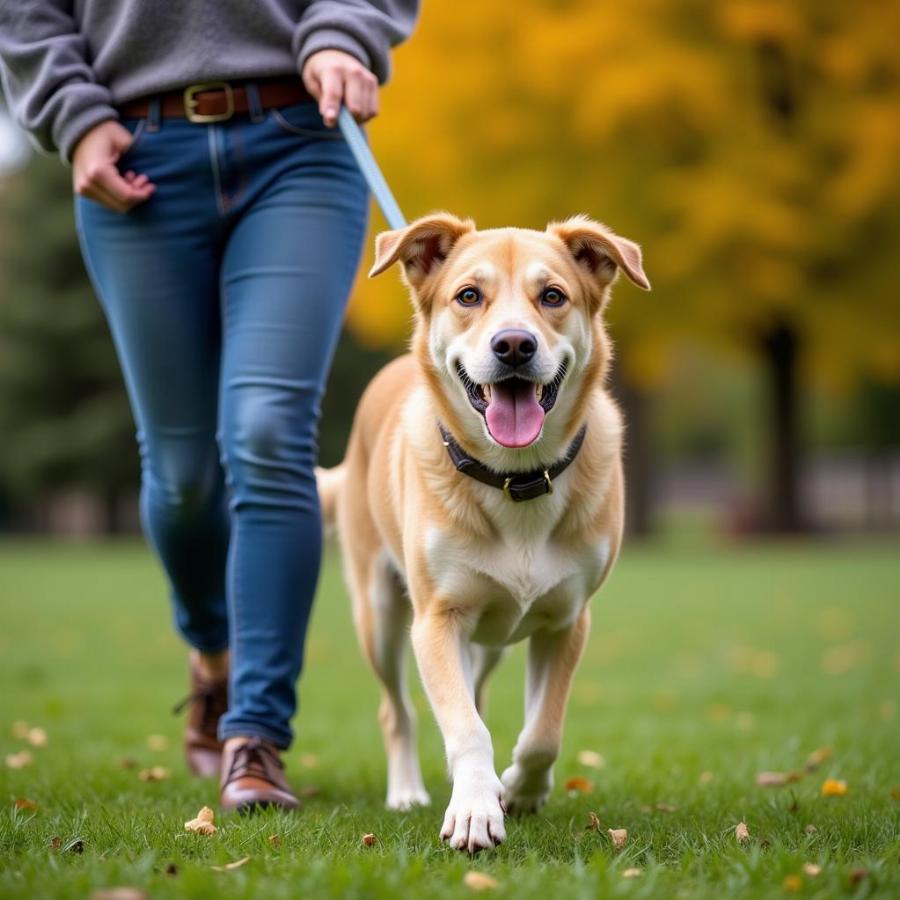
525 792
474 818
407 798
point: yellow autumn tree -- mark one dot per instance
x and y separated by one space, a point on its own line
750 146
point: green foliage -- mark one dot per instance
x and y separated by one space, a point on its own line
702 659
64 414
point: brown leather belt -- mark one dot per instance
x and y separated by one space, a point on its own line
218 101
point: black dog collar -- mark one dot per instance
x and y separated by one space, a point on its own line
517 486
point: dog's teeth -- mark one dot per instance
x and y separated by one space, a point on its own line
486 391
539 391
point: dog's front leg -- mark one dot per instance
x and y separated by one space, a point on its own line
474 818
552 659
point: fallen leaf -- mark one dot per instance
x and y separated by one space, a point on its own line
817 757
120 893
631 873
834 787
858 875
618 836
128 762
664 807
18 760
37 737
232 865
593 822
810 829
811 869
23 803
591 759
19 730
275 840
203 824
772 779
309 760
792 883
55 844
706 778
157 742
579 785
369 840
480 881
155 773
742 832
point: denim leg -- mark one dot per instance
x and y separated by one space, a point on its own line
286 274
155 272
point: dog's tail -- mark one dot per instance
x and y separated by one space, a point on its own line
329 482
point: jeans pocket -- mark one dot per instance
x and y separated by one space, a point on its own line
138 128
303 119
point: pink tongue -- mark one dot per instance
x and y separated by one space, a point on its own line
514 417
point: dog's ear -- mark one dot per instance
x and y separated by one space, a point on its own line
599 251
421 247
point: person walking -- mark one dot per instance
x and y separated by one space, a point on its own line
221 217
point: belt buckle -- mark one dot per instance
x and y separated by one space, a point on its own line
191 102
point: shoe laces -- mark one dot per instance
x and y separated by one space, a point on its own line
210 710
254 758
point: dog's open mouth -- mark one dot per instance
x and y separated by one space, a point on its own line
514 408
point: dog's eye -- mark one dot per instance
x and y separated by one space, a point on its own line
553 297
469 297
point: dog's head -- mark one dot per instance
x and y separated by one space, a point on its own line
509 328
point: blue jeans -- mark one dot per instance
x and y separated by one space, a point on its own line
225 295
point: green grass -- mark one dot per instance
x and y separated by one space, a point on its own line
724 660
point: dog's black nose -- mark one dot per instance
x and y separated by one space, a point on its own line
514 346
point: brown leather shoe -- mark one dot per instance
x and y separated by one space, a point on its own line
208 701
253 778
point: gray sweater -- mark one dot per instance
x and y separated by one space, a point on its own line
66 64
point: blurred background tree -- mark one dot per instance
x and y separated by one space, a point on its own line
751 146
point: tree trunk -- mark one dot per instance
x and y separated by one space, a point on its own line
638 456
780 346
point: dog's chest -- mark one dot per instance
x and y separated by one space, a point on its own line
515 586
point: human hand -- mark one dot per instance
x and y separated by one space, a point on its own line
94 171
334 77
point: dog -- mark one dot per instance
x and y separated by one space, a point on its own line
480 501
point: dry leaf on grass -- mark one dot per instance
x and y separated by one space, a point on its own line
55 844
631 873
120 893
232 865
369 840
834 787
157 742
480 881
19 730
858 875
618 836
817 757
24 803
37 737
579 785
777 779
742 832
18 760
591 759
792 883
810 829
664 807
128 762
593 822
155 773
203 824
275 840
811 869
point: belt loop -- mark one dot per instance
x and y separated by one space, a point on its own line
254 103
153 114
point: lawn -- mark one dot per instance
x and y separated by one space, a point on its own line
707 665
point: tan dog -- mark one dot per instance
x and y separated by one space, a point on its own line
504 383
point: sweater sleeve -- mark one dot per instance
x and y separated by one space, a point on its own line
366 29
48 82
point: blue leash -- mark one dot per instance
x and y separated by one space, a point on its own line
363 155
